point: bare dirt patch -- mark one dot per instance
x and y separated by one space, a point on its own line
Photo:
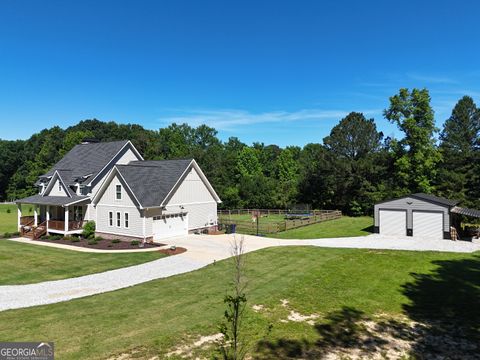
186 350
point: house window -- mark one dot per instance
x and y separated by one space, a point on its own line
119 220
59 186
118 192
110 218
78 213
126 220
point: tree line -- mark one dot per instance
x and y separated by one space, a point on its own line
354 167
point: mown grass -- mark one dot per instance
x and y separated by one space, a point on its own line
8 220
344 227
152 318
26 264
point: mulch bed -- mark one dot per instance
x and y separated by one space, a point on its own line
102 244
178 250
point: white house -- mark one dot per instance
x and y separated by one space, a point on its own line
127 197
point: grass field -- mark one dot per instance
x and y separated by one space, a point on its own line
8 221
25 264
343 227
341 285
273 218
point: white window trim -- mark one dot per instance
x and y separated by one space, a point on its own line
118 219
118 192
110 218
126 220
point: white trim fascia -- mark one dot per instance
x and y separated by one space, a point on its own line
75 202
176 183
117 206
107 181
193 203
129 188
205 180
50 185
119 151
202 177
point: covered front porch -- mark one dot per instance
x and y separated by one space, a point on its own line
51 215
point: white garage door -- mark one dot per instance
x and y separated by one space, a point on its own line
393 222
165 226
428 224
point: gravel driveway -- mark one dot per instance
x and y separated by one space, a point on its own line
202 250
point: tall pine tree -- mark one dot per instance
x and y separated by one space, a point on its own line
460 146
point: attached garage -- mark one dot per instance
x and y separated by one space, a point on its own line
418 215
170 225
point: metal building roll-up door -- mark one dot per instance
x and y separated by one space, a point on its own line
393 222
428 224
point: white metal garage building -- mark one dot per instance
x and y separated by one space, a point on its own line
419 215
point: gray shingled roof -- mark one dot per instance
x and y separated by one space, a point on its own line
435 199
465 211
85 159
151 181
51 200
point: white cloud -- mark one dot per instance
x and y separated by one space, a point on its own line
231 119
432 79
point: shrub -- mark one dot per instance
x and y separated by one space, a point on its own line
75 239
9 211
44 237
98 238
16 233
68 238
92 242
115 241
54 237
7 235
134 242
89 230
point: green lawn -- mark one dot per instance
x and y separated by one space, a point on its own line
272 218
341 285
8 221
343 227
25 264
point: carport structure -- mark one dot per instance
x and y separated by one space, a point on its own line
419 215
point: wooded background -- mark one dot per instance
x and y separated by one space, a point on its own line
354 167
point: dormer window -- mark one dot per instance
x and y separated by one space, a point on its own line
118 192
59 186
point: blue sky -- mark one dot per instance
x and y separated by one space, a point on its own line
281 72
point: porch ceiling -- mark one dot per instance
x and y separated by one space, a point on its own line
54 200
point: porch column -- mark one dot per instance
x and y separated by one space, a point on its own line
47 215
19 215
66 219
35 215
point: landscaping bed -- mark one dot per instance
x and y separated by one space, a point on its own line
173 250
98 243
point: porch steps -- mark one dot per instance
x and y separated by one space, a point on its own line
35 233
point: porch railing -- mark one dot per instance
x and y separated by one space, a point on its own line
27 220
60 225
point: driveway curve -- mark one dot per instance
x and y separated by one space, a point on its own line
202 250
